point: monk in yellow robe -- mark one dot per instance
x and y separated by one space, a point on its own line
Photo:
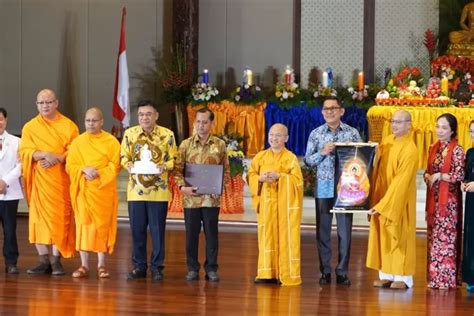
392 235
93 164
43 149
276 185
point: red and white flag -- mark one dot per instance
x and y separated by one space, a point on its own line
121 104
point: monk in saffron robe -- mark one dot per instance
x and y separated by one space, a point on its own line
276 184
391 248
93 164
43 149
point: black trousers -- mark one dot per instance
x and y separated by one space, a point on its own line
323 236
209 216
8 211
152 215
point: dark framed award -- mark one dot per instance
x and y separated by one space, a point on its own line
352 176
207 178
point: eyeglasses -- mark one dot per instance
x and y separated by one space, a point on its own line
331 109
398 121
45 102
277 135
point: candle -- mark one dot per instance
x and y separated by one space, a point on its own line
444 86
205 76
288 76
360 81
249 77
325 79
330 76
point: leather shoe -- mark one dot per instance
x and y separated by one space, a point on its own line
192 276
136 274
12 269
325 278
156 275
212 276
41 268
382 283
265 281
398 285
343 279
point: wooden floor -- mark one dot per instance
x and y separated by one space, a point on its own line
235 294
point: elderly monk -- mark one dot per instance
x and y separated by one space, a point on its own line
93 164
43 149
392 234
276 184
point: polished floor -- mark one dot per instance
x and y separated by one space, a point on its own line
235 294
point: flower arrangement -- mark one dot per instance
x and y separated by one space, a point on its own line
308 180
203 93
362 98
286 91
322 92
406 75
177 78
248 94
235 153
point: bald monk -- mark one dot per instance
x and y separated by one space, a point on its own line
93 164
276 185
392 235
43 149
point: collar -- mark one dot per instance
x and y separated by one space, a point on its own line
196 139
154 131
4 135
341 127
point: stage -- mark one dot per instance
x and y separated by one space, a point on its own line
235 294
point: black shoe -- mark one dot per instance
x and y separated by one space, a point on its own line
12 269
192 276
212 276
136 274
57 268
41 268
343 279
265 281
157 275
325 278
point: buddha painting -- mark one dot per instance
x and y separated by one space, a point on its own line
462 41
353 186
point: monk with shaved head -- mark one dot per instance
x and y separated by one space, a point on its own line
93 164
43 149
392 236
276 184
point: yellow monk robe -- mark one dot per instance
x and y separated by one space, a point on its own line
391 247
47 190
95 202
279 208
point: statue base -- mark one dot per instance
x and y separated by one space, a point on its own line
461 49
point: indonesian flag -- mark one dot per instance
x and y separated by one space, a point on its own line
121 108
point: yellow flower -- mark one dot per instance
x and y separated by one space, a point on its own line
278 94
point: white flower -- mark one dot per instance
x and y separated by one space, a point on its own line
196 97
216 92
208 97
284 95
316 94
237 98
257 88
294 85
246 86
351 90
203 85
450 77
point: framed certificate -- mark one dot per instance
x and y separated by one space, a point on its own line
208 179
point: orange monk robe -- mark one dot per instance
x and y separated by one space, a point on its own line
392 235
279 210
94 202
47 190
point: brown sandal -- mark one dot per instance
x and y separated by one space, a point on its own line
82 272
102 273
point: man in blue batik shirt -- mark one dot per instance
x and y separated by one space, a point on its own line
320 156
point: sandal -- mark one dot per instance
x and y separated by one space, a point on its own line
82 272
102 273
